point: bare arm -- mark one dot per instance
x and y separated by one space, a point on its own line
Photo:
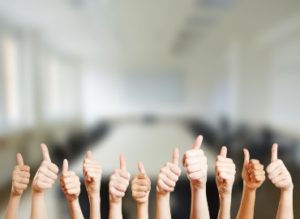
163 210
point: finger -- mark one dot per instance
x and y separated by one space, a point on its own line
246 156
89 155
65 166
141 167
198 142
122 162
20 160
223 151
175 158
274 155
45 152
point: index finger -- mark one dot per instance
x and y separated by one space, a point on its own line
274 155
198 142
45 152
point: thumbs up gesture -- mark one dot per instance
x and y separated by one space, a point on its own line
119 182
278 173
20 177
69 182
169 175
92 172
46 174
141 185
195 164
225 173
253 172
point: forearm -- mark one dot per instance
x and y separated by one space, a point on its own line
95 208
38 207
13 207
199 206
115 210
163 210
75 210
142 210
246 210
224 211
285 208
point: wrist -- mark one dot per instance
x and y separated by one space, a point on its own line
290 189
195 187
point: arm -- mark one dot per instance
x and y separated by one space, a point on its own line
20 181
167 178
43 180
70 185
195 163
253 175
281 178
140 188
92 179
118 184
225 173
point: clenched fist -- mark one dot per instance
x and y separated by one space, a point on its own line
69 182
119 182
225 173
278 173
141 185
92 172
20 177
253 172
46 174
195 164
169 175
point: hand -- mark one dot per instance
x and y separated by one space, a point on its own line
195 163
20 177
92 172
278 173
119 182
70 183
253 172
169 175
141 185
225 173
46 174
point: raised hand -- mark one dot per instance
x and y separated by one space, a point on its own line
169 175
278 173
20 177
69 182
46 174
225 173
195 164
119 182
253 172
92 172
141 185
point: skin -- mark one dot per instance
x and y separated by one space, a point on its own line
167 178
281 178
20 181
225 173
43 180
70 185
118 185
140 187
195 164
253 175
92 173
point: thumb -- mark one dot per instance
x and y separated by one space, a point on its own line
246 156
141 167
45 152
89 155
198 142
65 166
175 158
20 160
274 155
223 151
122 162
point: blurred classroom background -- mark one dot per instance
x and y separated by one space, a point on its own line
142 77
